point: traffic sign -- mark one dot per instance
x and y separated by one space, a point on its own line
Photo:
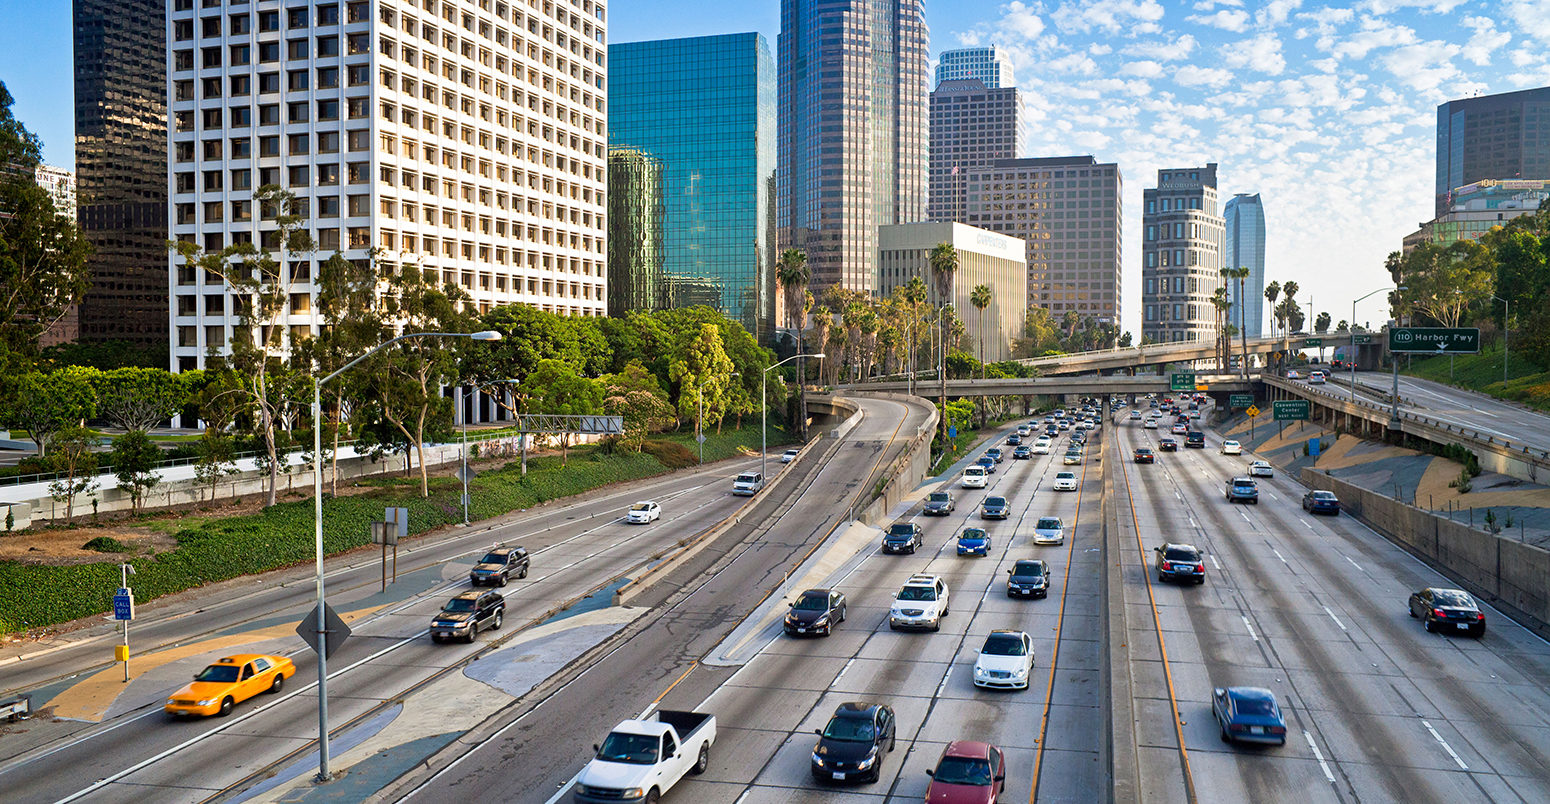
700 438
335 632
1361 338
1434 340
1240 401
1181 382
124 604
1252 411
1312 342
1287 410
1202 387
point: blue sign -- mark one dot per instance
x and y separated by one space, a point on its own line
124 604
952 431
1313 447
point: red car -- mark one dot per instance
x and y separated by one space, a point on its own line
969 772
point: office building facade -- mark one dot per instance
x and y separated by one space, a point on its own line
704 108
1505 136
984 258
121 167
1181 255
636 220
1244 247
59 183
852 143
1477 208
1069 212
990 65
971 127
468 140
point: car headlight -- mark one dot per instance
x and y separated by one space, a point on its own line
205 702
634 792
871 758
1021 671
817 760
821 621
980 671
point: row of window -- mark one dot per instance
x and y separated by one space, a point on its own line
1181 312
1176 231
1154 205
244 84
326 110
1178 285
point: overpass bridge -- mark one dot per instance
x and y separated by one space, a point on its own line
1093 385
1158 354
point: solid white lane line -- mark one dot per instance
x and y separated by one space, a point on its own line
1278 555
843 670
1245 517
1273 495
1214 563
1445 745
1250 626
1354 564
948 675
1307 524
1329 776
1336 619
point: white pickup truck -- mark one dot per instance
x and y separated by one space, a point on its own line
642 759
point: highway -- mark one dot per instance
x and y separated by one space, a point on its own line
576 547
1455 406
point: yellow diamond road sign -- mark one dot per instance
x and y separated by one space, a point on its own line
1252 411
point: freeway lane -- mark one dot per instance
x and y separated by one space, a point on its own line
1455 406
1314 609
553 738
768 709
574 550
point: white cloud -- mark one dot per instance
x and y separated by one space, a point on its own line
1192 75
1022 20
1261 53
1163 51
1275 12
1142 69
1425 6
1077 63
1207 5
1109 16
1424 67
1099 49
1530 16
1226 19
1375 33
1486 39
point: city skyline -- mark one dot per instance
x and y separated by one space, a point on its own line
1307 97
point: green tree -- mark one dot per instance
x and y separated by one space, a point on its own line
1272 292
74 460
943 262
48 403
555 387
1321 323
1041 334
139 398
528 337
634 395
216 459
1441 282
701 367
793 274
349 311
134 459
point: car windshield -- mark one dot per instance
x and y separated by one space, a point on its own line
917 593
970 534
1065 475
493 558
993 502
1445 597
939 496
1143 451
818 602
641 507
1254 706
1048 523
901 530
849 729
747 478
219 673
963 770
1004 645
1181 554
635 749
975 471
457 604
1242 482
1028 568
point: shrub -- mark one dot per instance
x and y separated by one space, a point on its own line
106 544
672 454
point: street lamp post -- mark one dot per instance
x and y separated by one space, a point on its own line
699 426
464 456
764 412
1352 356
1506 329
317 515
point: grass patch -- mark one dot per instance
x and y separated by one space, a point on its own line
1483 373
106 544
212 549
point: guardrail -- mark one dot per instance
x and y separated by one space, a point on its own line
169 463
17 708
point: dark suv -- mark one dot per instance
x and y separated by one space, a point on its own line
463 616
1243 489
499 565
902 537
938 503
1194 439
1180 562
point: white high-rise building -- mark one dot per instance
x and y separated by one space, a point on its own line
989 64
468 137
60 184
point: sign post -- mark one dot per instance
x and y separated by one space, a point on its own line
1290 410
124 611
1253 414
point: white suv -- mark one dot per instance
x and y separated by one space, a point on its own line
920 603
747 484
973 477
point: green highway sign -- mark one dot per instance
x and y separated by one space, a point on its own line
1435 340
1181 382
1312 342
1290 410
1240 401
1361 338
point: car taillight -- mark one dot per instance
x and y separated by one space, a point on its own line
1439 613
1480 615
1201 568
1168 566
1276 730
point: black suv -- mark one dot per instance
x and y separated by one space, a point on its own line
1177 562
852 745
902 537
463 616
499 565
1194 439
938 503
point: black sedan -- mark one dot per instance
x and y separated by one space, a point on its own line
1144 455
1448 610
1248 714
1167 445
1029 577
995 508
852 745
938 503
1321 502
816 611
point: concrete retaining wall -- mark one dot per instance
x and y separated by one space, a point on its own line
1510 574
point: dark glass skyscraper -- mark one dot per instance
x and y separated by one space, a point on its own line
121 167
635 232
853 130
705 108
1503 136
972 126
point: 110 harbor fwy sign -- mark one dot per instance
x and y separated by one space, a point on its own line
1434 340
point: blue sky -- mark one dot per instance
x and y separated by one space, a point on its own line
1327 110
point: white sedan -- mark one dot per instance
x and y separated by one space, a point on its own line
1041 447
790 455
643 512
1231 447
1049 530
1065 481
1005 662
1261 469
1150 423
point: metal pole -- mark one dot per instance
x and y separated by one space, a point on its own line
1352 356
317 534
1394 408
462 412
699 434
123 574
764 418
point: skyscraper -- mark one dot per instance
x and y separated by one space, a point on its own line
853 133
1181 255
971 126
120 165
1504 136
1069 211
1244 247
636 217
459 140
988 64
704 107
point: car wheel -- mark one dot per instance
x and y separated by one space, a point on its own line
1200 581
892 627
653 796
1428 623
523 573
473 632
1411 612
703 761
277 685
1225 737
936 626
496 626
226 704
502 581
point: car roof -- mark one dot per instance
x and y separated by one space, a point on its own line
472 594
1243 479
856 709
244 658
1039 562
1180 545
821 591
1251 694
967 749
1011 631
921 579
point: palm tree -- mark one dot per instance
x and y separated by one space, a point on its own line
822 320
1241 273
1289 289
980 298
1221 305
944 263
793 274
915 295
1272 292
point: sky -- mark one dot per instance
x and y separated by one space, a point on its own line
1327 110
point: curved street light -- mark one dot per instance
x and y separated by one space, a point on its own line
764 409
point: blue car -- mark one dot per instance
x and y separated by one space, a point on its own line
1248 714
994 508
1321 502
973 542
988 462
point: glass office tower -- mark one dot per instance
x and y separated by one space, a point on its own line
635 221
705 108
1245 247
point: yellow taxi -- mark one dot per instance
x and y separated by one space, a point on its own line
228 682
